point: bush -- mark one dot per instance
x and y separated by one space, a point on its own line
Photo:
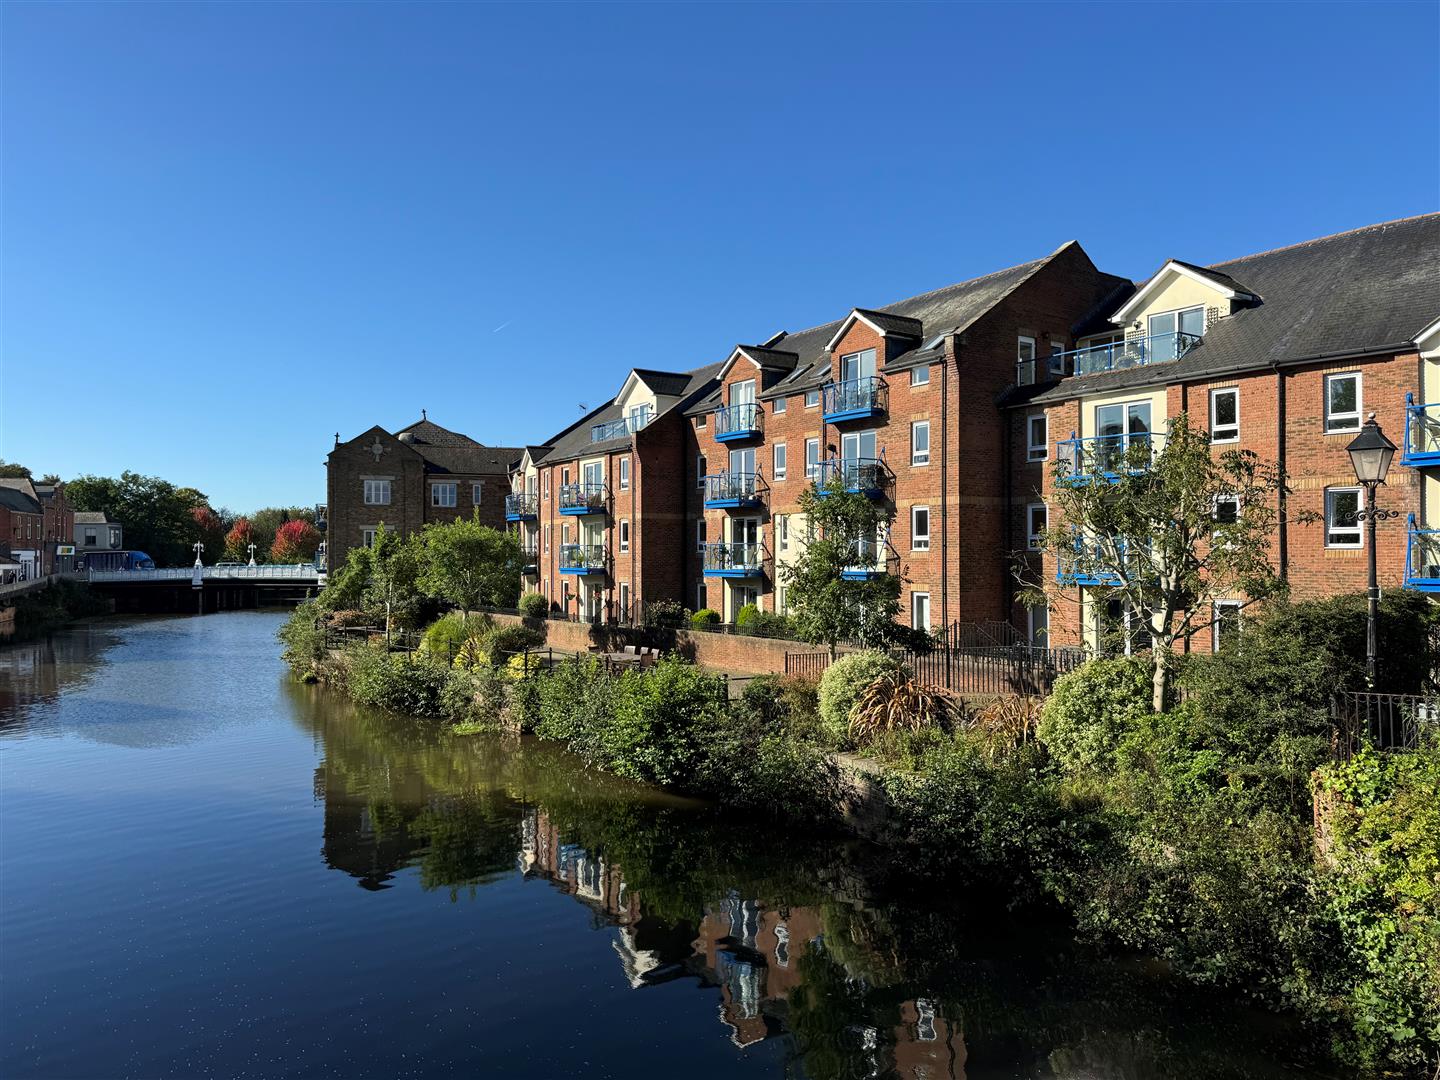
395 681
896 702
768 624
533 605
351 617
664 614
657 714
841 686
506 639
444 637
1093 708
473 700
705 619
745 616
303 638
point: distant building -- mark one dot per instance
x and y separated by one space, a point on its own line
408 479
95 530
35 523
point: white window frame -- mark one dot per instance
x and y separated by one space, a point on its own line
451 489
1032 538
1331 425
812 399
372 495
1330 528
547 539
778 406
700 422
625 473
1037 451
919 541
1233 436
624 531
920 376
1215 624
367 536
812 469
918 456
782 532
1229 497
779 461
625 599
477 492
915 598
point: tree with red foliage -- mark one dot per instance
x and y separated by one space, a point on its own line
209 530
238 540
295 542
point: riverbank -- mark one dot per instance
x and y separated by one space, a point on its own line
59 602
1187 835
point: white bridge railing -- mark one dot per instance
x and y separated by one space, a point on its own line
300 574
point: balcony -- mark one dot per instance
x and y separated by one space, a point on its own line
733 491
582 558
732 560
1116 356
868 564
1422 434
530 562
579 499
1106 458
1422 559
855 399
524 506
618 429
862 476
736 422
1092 564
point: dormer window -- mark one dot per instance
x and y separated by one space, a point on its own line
1173 332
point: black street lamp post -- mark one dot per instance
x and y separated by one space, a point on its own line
1370 454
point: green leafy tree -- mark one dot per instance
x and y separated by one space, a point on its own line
12 470
1172 533
266 522
470 564
825 608
156 514
394 583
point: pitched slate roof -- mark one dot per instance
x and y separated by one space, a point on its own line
93 517
1371 290
19 500
779 359
453 452
893 323
664 383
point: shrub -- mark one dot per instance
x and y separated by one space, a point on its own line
1006 724
444 637
473 700
705 619
395 681
533 605
745 616
1093 708
657 713
522 666
843 683
768 624
472 654
303 638
800 701
897 702
348 617
664 614
505 639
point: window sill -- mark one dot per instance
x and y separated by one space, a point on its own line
1341 431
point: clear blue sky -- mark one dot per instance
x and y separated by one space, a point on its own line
230 231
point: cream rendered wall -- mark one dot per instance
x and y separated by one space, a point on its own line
1430 492
1156 396
640 394
1175 294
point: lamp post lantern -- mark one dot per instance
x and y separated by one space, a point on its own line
1370 455
199 547
251 548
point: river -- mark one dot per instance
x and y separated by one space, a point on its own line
211 870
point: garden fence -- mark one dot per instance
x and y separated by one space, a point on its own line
1385 721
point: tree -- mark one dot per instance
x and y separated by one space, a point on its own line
295 542
208 529
394 583
847 530
1171 534
13 471
471 565
266 522
238 540
156 514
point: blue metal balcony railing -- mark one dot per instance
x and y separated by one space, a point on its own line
1422 433
1106 457
1093 564
1422 559
868 562
1116 356
732 560
855 399
523 506
865 476
582 558
615 429
576 499
732 489
734 422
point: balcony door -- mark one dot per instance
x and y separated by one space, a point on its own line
857 444
745 531
742 465
1166 342
1118 426
859 365
742 393
592 473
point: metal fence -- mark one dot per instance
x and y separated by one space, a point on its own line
1384 721
806 663
1012 670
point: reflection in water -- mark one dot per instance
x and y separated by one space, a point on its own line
184 830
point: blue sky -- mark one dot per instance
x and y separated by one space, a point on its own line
232 230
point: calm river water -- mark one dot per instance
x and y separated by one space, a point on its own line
209 870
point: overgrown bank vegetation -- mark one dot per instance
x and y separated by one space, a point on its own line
1186 834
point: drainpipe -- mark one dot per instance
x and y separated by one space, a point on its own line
1284 538
944 485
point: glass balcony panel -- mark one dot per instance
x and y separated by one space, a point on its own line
856 398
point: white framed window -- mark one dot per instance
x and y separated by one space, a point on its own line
812 458
779 406
1037 520
920 376
624 599
700 422
1024 349
782 600
624 534
477 492
442 494
625 473
564 533
782 532
367 537
547 538
1037 437
1224 623
920 442
812 398
1225 415
1226 510
920 610
700 471
1056 348
1342 530
547 484
919 528
700 535
778 469
1343 402
377 492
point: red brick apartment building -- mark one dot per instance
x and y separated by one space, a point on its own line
405 480
950 407
35 522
